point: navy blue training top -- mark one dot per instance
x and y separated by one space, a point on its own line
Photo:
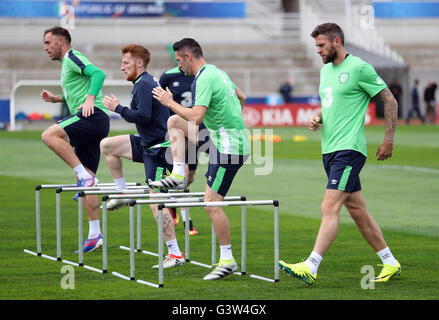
180 86
149 115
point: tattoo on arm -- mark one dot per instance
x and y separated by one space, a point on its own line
390 112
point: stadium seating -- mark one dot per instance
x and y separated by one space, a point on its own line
258 52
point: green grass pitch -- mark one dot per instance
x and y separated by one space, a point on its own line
401 194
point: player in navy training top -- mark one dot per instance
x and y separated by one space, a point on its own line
148 115
149 146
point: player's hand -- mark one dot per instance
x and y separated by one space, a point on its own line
48 96
88 107
163 96
111 102
384 150
314 123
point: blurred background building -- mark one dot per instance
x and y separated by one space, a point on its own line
259 43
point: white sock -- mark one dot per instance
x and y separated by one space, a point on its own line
81 172
183 214
94 229
173 247
178 168
313 262
226 252
120 184
387 257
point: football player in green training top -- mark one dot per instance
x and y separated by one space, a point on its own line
217 102
87 124
347 84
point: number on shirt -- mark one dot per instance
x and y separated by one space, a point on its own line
187 99
327 99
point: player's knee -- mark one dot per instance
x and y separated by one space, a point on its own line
173 121
328 209
356 211
213 211
105 146
48 135
45 136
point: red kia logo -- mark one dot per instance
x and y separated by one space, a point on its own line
251 116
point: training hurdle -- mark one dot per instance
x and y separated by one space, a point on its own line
184 203
173 198
116 194
170 197
133 187
138 191
246 203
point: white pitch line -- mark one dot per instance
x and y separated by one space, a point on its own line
409 168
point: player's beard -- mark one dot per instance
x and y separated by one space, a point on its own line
55 58
331 56
131 76
55 55
187 72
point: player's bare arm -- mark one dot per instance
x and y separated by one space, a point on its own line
48 96
391 116
241 96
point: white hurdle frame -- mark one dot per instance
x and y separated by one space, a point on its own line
184 204
133 186
170 198
136 190
174 198
246 203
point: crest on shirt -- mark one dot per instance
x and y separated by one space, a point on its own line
175 84
343 77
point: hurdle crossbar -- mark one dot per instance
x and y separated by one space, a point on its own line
108 189
72 185
152 195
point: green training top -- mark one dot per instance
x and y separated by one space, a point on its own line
345 91
213 89
75 84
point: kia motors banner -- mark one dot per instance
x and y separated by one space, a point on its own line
288 115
